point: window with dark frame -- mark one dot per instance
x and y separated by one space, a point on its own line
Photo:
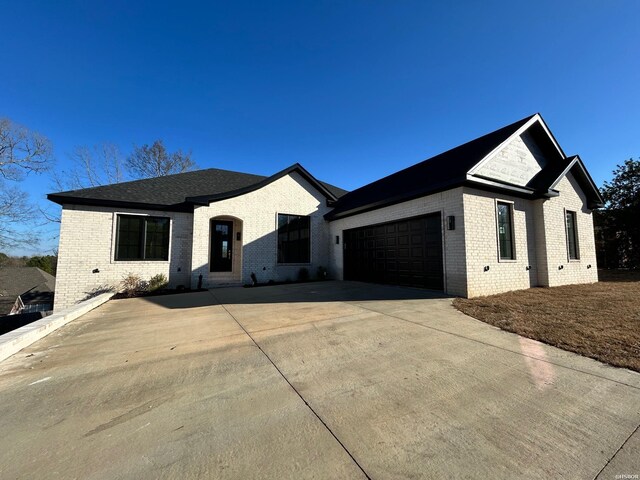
294 239
142 238
505 231
572 235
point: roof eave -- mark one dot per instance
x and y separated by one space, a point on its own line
594 198
97 202
485 181
405 197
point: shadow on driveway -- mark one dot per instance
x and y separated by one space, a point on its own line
329 291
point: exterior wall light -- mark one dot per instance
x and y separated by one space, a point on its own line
451 222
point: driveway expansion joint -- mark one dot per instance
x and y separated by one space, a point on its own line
294 389
502 348
616 453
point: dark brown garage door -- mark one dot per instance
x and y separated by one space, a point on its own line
407 252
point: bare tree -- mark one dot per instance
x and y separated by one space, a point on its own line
154 161
22 151
91 167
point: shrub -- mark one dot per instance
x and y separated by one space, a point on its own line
303 275
322 273
158 282
132 283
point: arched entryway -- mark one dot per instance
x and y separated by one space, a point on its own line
225 250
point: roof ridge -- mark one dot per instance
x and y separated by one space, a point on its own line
441 154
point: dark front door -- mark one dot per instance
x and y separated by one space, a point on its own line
221 246
406 252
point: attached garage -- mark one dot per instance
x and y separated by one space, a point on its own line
405 252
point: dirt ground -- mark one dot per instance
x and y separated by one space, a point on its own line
600 320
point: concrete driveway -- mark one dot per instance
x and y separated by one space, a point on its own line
322 380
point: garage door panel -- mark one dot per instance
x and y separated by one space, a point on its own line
407 252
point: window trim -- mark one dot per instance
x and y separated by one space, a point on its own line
511 205
575 232
114 238
310 262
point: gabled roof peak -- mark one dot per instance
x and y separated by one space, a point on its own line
456 167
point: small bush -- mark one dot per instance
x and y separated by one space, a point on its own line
322 273
158 282
132 283
303 275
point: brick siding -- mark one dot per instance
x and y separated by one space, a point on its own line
87 242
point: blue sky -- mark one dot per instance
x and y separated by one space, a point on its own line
352 90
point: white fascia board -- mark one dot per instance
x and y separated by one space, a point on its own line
564 172
520 131
505 186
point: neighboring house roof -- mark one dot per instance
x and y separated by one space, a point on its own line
456 167
181 191
31 284
7 303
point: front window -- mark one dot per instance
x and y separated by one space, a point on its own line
142 238
505 231
572 235
294 239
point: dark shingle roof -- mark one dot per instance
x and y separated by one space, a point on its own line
30 283
171 191
438 173
19 280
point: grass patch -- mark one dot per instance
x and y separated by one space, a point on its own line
599 320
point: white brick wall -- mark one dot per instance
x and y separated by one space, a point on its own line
448 203
87 242
517 162
256 214
540 242
481 240
573 271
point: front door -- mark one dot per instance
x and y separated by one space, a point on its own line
221 246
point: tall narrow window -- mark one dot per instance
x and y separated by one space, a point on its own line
572 235
142 238
294 239
505 231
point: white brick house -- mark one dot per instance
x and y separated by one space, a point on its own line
506 211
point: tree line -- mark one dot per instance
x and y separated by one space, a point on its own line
48 263
617 225
25 152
